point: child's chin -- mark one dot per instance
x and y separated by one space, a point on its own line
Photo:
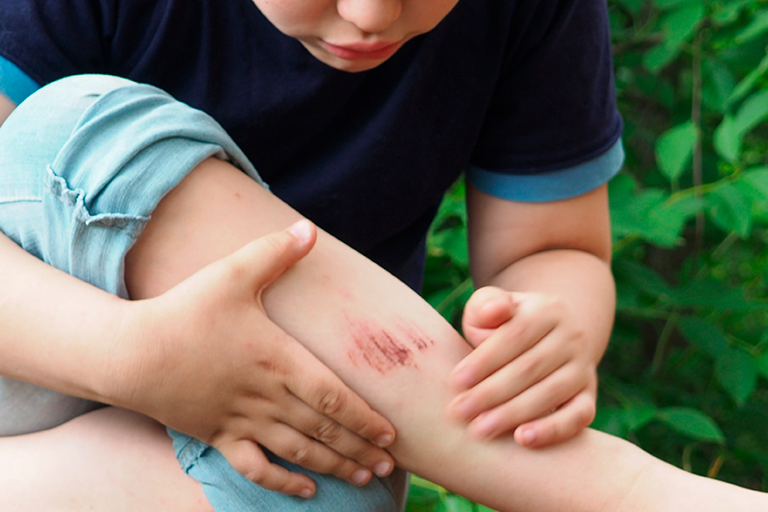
350 66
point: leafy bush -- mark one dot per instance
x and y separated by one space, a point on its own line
685 373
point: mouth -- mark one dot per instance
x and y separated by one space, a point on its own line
362 51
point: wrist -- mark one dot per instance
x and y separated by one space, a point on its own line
122 376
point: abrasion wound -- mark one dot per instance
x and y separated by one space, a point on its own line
385 349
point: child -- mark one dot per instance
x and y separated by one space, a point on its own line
375 333
521 93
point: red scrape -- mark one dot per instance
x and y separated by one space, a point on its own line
382 350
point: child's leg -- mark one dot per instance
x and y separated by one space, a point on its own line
109 460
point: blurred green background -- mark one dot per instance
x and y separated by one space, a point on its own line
685 374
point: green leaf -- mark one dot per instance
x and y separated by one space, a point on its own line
642 277
678 26
632 5
455 503
718 85
620 421
735 371
727 140
691 422
435 299
729 12
753 111
730 134
669 4
709 293
757 27
659 56
649 216
761 364
636 418
611 421
674 149
730 210
669 219
757 178
704 335
621 188
453 208
453 242
423 483
627 296
749 81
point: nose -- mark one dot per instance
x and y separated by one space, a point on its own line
370 16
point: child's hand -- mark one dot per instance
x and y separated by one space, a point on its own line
532 370
218 369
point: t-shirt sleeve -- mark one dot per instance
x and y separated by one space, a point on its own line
14 83
46 40
552 129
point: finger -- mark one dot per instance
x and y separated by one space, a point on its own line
295 447
566 422
317 386
248 459
265 259
550 393
339 439
486 310
506 344
509 381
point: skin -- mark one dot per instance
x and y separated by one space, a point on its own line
342 307
316 23
536 376
537 346
513 382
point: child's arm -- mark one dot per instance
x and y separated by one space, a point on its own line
392 348
63 334
379 337
543 323
6 107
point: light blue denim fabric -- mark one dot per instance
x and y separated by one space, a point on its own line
83 163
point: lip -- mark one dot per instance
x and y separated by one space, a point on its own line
362 51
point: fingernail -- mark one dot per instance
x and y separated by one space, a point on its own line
305 493
361 476
301 230
384 441
382 468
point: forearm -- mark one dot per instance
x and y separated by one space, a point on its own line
57 331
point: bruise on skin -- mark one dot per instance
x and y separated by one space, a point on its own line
384 349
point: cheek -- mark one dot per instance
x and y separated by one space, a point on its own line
424 16
294 17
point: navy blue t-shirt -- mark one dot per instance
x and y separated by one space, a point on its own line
518 92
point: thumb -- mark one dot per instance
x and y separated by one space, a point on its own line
486 310
269 256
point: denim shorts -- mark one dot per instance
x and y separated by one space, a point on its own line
83 163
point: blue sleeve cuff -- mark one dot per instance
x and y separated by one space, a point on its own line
550 186
14 83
